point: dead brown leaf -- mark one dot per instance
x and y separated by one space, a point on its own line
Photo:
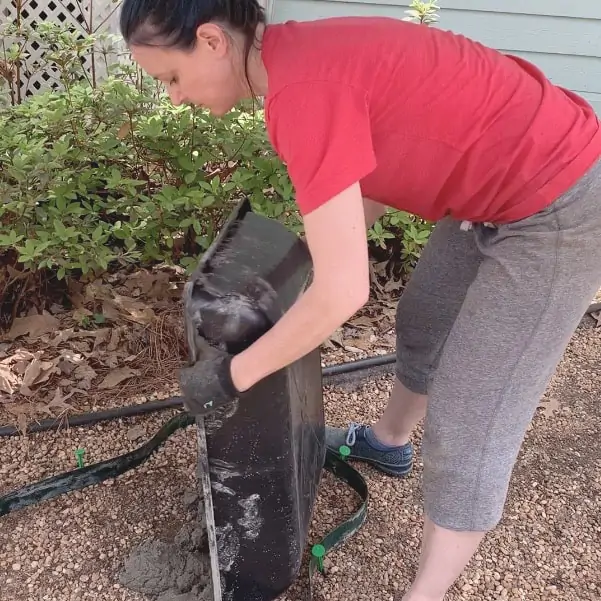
363 322
336 340
110 311
114 341
124 130
380 268
117 306
9 381
62 336
89 333
116 376
360 344
85 375
56 309
389 313
58 400
15 274
103 335
48 368
40 408
161 287
20 367
68 362
138 311
20 354
76 293
154 285
374 273
21 411
33 326
82 346
96 290
34 369
393 285
80 314
111 360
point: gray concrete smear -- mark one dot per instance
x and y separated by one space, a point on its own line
173 571
181 570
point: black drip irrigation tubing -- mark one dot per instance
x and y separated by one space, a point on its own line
87 419
83 477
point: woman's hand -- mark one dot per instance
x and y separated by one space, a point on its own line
337 240
207 385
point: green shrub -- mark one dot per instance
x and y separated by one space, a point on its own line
424 12
98 175
412 231
94 176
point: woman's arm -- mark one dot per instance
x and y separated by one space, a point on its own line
337 240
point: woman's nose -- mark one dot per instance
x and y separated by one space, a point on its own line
176 96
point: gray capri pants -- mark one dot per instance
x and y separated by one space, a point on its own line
483 323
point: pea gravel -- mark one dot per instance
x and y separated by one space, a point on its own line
547 547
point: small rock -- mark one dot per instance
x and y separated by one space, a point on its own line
136 432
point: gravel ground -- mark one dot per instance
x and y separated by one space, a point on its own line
548 546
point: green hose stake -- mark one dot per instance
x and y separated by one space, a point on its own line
79 453
344 452
319 551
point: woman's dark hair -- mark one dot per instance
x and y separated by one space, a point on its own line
173 23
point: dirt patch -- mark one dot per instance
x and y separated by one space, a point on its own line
173 571
75 547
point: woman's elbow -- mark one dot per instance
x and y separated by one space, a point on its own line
346 298
359 296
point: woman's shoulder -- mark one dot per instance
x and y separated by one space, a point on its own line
336 49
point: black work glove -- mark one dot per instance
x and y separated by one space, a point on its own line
207 385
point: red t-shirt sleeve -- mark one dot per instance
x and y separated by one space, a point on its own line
321 131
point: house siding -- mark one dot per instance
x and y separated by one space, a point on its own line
561 37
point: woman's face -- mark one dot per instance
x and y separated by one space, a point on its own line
205 76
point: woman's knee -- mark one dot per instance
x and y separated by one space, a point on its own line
462 494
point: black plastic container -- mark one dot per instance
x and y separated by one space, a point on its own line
266 454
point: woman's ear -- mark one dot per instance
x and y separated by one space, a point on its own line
214 38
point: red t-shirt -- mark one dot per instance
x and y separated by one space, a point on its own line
429 121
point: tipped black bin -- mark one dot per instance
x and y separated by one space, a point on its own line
266 454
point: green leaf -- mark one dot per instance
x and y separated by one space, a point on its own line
97 233
76 197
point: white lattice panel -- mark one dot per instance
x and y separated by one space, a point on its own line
86 15
83 15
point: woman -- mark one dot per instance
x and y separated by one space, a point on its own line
370 113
